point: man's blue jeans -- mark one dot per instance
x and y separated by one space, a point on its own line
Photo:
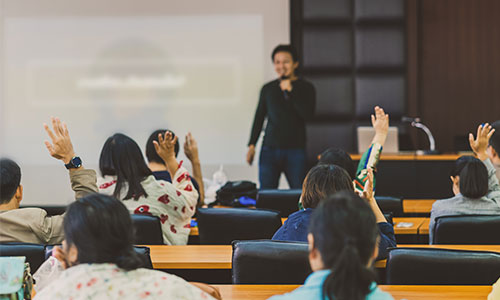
274 161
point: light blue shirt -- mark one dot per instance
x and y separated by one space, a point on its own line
313 289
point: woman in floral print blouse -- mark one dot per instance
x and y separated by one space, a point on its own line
100 262
127 177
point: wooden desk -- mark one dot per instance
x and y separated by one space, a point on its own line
399 292
424 228
414 229
419 206
191 256
412 157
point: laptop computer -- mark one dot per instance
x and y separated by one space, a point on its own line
366 134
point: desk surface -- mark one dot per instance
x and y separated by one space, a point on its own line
422 206
399 292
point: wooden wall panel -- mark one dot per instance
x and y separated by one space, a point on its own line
458 75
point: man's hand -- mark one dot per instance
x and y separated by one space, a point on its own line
165 147
380 122
480 144
191 148
250 154
61 147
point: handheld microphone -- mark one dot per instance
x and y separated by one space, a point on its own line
285 92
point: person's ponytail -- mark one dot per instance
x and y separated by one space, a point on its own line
349 279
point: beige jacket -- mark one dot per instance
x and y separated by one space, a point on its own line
32 225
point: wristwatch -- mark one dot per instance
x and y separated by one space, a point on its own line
74 163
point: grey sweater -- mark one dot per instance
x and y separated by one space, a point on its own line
461 205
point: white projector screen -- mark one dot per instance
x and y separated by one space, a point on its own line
132 74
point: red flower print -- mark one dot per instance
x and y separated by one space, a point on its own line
172 228
178 193
144 294
107 184
187 226
79 286
92 281
163 218
183 209
192 208
164 199
182 177
188 188
180 164
142 210
162 184
175 208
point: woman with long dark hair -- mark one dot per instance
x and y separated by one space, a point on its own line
342 247
475 184
128 178
100 262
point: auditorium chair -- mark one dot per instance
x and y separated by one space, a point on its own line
284 201
221 226
35 253
467 229
269 262
389 204
147 230
431 266
144 254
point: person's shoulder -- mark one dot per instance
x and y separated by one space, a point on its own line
445 203
300 215
27 213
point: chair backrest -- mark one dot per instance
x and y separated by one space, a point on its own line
390 204
147 230
409 266
35 254
144 254
270 262
470 229
284 201
221 226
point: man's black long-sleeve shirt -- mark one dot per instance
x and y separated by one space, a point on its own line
285 117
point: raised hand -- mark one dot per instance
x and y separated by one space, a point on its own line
61 146
480 143
191 148
368 188
165 147
380 122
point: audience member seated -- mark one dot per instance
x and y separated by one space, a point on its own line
494 147
342 247
32 225
128 178
475 184
99 260
324 180
369 160
160 169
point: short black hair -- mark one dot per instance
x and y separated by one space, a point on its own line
337 156
285 48
151 154
100 228
495 138
10 178
473 176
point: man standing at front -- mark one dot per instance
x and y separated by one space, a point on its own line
287 102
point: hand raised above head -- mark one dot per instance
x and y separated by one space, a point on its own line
380 121
61 147
165 146
480 143
191 147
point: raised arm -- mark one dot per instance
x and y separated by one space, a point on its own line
479 146
371 157
165 147
83 181
191 151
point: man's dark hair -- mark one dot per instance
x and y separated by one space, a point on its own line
101 229
122 157
473 176
337 156
151 154
324 180
285 48
495 138
10 178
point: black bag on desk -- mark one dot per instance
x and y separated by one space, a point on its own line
230 192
